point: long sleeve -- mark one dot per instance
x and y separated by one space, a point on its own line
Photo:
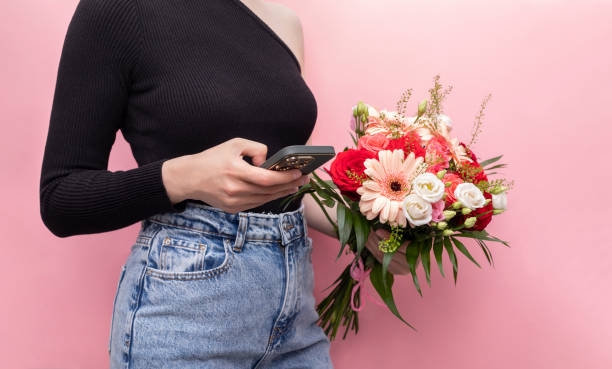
78 194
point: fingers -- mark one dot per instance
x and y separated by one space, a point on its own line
255 150
253 173
265 177
255 200
248 188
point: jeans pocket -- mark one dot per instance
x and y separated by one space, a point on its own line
110 337
186 254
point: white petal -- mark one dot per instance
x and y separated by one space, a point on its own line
379 203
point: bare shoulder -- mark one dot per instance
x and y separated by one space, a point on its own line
289 26
286 12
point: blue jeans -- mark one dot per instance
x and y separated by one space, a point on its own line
209 289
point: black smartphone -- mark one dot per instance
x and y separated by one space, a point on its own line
306 158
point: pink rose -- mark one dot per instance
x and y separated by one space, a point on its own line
373 143
437 214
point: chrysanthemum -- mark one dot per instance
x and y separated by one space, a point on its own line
389 183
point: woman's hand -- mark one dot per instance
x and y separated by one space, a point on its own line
220 177
398 264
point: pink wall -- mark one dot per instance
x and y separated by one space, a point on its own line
546 304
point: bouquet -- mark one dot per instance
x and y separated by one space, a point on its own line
410 177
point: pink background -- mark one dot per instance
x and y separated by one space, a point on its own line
546 304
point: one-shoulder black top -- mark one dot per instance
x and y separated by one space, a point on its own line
176 77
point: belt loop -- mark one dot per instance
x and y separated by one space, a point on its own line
242 230
287 229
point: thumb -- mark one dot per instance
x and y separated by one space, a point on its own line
257 151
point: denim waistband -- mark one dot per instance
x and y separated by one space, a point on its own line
246 226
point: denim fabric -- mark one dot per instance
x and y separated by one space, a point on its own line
209 289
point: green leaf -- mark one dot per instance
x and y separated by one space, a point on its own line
487 252
463 250
345 222
412 254
425 257
437 247
362 231
385 293
328 186
481 235
353 137
496 166
387 256
451 255
484 163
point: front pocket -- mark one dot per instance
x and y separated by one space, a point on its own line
110 336
186 254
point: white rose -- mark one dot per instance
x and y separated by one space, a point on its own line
500 201
429 187
416 210
470 196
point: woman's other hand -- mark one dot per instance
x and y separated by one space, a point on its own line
398 264
220 177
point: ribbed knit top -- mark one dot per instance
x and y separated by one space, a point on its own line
176 77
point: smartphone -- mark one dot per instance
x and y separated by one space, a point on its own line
306 158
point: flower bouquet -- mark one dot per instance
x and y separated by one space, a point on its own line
410 177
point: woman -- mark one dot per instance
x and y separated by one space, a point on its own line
219 275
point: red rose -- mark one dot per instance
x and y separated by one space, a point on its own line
410 142
483 220
346 170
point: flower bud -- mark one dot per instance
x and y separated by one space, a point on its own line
457 205
448 232
442 225
449 214
466 211
498 211
441 173
469 222
362 108
422 107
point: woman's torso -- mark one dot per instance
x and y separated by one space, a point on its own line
209 71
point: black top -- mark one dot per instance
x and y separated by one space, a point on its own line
176 77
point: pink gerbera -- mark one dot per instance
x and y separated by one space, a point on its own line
390 179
